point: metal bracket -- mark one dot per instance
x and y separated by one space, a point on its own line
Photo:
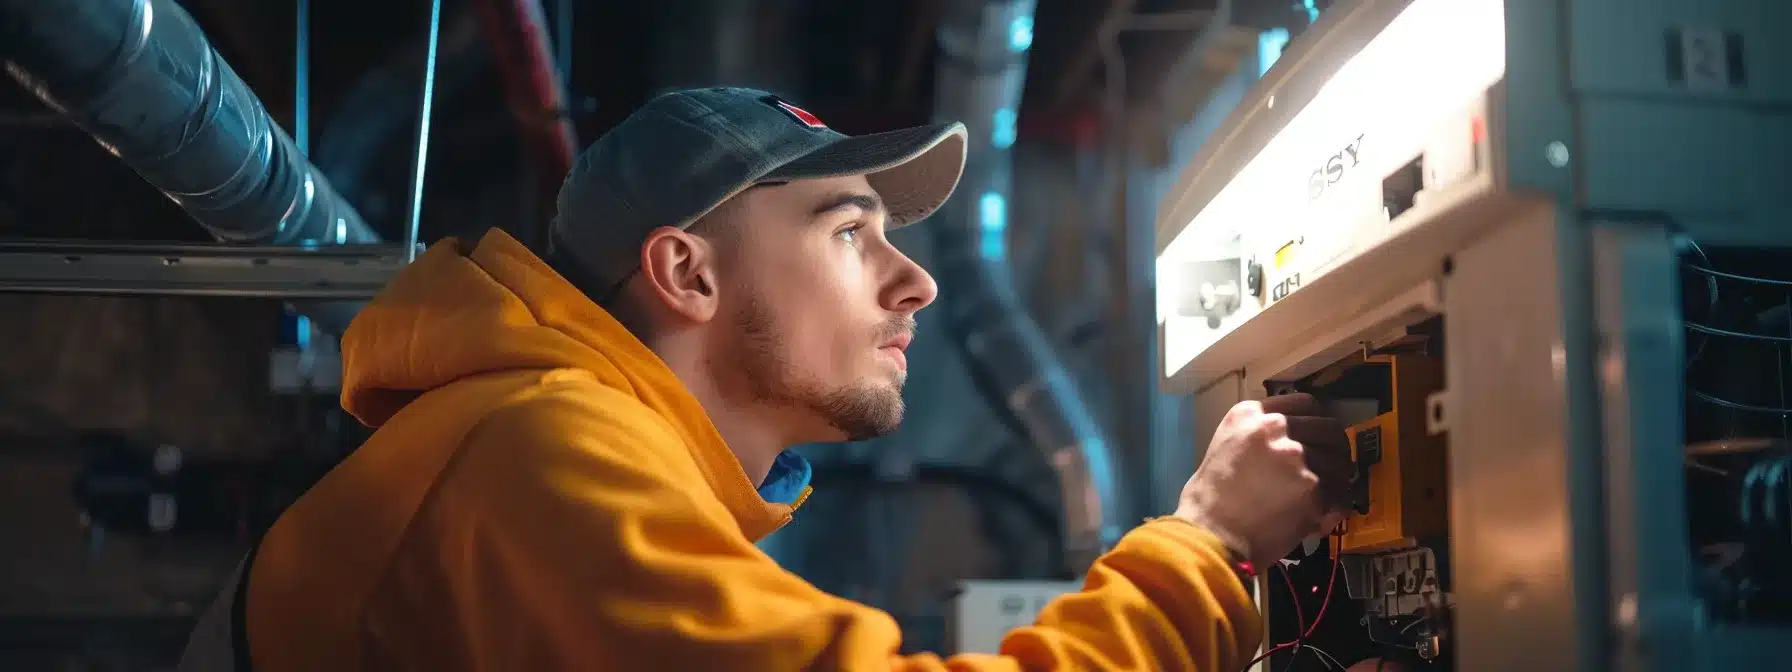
138 269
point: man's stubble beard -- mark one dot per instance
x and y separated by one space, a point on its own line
859 411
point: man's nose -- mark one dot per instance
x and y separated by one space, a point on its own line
910 287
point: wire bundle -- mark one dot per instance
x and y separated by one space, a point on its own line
1304 629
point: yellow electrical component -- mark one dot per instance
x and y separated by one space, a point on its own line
1402 469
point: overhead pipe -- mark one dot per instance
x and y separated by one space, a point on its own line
517 31
141 78
982 67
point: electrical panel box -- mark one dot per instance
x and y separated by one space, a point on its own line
1357 179
1516 185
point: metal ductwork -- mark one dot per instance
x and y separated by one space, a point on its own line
141 78
982 68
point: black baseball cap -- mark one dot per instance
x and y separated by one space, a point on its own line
686 152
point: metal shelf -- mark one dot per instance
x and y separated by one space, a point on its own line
154 269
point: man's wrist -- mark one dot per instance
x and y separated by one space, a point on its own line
1197 516
1236 559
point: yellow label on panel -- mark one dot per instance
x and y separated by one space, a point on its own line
1285 255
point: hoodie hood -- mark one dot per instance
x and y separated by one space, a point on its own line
462 311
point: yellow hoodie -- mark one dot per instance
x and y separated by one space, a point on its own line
544 494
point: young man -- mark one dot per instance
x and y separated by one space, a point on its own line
575 456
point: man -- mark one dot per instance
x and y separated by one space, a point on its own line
575 456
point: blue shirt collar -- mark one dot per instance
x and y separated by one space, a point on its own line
790 474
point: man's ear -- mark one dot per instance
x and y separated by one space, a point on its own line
679 271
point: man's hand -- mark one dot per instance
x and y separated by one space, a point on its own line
1277 471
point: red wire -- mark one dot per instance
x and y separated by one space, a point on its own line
1329 583
1308 628
1265 654
1299 621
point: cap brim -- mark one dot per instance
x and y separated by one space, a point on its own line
914 170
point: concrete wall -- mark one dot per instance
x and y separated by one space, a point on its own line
191 372
182 371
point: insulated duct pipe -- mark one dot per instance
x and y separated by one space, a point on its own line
141 78
983 47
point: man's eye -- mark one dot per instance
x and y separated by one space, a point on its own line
849 234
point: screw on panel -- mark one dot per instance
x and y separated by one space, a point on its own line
1557 153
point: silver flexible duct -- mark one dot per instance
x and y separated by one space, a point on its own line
141 78
982 67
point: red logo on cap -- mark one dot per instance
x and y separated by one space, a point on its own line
801 115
